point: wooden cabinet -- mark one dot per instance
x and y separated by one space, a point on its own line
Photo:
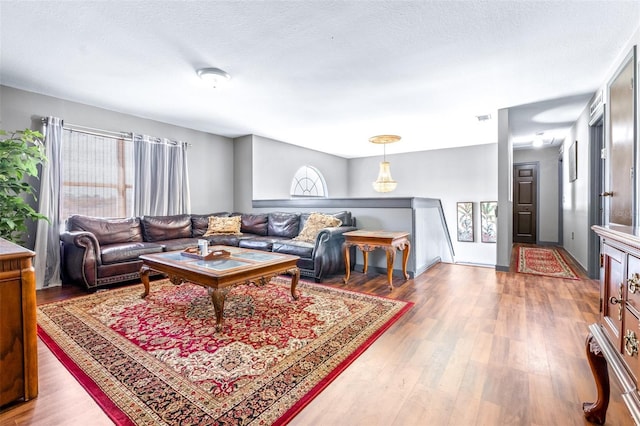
18 341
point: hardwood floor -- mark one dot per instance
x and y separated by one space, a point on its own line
479 347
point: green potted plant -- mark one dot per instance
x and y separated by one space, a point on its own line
20 154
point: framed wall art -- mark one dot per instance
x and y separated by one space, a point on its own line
465 221
489 221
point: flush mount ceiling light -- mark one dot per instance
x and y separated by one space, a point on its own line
214 76
537 140
385 182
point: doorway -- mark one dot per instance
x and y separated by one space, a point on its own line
525 203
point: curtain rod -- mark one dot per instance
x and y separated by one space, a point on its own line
111 134
92 131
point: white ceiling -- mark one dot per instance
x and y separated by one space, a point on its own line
325 75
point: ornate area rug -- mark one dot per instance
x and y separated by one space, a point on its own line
159 361
544 261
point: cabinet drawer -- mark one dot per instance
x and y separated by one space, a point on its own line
613 288
633 282
631 344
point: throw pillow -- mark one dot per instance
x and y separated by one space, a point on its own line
223 225
316 223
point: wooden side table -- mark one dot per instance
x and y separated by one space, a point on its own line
368 241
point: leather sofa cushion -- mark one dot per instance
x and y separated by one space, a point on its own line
160 228
224 239
344 216
259 242
254 224
122 252
285 225
178 243
296 248
107 231
200 223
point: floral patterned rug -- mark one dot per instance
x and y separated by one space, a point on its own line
544 261
159 361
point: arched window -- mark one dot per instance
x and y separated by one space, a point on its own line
308 182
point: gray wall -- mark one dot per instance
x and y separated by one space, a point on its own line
548 189
275 163
243 173
210 156
451 175
505 204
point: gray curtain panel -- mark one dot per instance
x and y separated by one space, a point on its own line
161 182
47 246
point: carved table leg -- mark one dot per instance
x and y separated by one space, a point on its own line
144 277
391 257
365 258
405 259
295 277
596 412
217 298
347 261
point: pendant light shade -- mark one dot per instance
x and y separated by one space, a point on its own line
384 182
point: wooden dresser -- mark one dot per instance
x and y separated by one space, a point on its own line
614 341
18 341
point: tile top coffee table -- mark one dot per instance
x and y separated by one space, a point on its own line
235 266
367 241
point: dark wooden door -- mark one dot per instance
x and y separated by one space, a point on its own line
525 208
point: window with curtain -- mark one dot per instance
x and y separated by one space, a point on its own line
97 175
308 182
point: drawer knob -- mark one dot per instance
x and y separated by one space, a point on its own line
634 283
630 343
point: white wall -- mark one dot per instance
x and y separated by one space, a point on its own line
575 195
275 163
548 189
210 156
451 175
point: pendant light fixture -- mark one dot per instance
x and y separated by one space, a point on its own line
385 182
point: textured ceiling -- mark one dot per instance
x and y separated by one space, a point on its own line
325 75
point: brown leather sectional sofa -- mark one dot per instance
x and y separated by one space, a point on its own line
101 251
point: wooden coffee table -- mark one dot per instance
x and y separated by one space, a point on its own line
219 275
367 241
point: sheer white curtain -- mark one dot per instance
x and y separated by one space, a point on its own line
161 182
47 247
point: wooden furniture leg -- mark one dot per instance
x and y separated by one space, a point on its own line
217 298
365 256
391 257
596 412
144 277
405 259
347 262
295 277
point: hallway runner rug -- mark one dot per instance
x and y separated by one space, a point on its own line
544 261
159 361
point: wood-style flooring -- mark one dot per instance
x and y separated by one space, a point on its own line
479 347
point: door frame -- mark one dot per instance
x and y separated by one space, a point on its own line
536 165
597 130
